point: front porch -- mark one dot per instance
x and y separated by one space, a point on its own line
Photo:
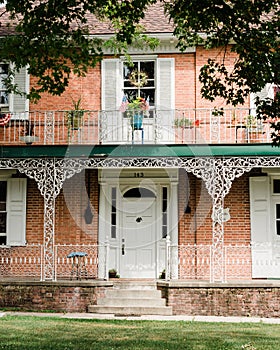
214 262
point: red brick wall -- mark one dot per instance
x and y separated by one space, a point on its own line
87 88
196 227
70 226
253 301
63 297
35 214
187 86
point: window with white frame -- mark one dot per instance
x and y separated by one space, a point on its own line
4 96
139 80
16 103
12 210
159 81
276 203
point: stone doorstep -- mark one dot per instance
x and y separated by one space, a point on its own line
132 298
130 310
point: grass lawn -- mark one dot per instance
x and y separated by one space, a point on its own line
42 333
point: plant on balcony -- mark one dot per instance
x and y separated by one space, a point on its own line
185 123
252 124
28 133
74 118
136 110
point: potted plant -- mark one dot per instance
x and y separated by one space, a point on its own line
162 275
28 131
183 123
251 123
136 110
113 273
74 117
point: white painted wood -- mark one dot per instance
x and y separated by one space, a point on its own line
138 254
260 223
16 213
19 103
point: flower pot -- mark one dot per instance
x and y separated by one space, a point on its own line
137 121
75 119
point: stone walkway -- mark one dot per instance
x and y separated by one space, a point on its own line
148 317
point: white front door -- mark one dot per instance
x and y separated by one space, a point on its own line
138 238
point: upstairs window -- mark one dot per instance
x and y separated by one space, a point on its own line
4 96
139 80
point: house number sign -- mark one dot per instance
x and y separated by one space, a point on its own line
138 175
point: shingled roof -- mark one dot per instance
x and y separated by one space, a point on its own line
154 21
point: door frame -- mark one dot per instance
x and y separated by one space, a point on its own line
122 180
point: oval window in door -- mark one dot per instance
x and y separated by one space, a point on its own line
139 192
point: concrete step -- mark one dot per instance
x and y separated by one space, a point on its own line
131 302
132 293
132 298
138 285
129 311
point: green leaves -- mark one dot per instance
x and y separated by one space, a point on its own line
53 38
249 29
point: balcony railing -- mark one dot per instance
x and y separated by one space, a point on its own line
189 126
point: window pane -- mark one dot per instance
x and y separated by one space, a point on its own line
3 191
278 228
277 211
3 75
148 68
276 186
139 193
145 91
3 240
3 222
113 213
4 98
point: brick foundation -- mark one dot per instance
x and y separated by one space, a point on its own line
248 299
54 296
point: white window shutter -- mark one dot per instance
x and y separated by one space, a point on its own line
19 103
260 236
165 84
165 99
111 88
16 211
266 92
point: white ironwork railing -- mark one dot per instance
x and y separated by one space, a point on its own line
188 126
186 261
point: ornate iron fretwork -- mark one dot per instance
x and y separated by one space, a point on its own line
217 173
49 128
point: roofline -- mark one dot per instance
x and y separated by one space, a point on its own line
140 151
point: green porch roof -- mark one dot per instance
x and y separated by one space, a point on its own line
74 151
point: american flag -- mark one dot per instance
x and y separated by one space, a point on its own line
124 104
4 119
148 103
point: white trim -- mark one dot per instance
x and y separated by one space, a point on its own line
124 179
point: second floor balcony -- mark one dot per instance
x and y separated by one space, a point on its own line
188 126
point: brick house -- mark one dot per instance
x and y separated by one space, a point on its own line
189 193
